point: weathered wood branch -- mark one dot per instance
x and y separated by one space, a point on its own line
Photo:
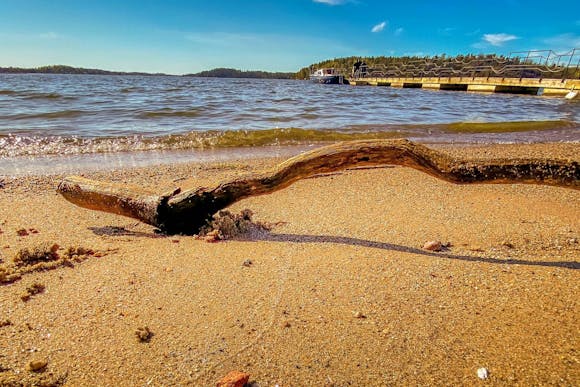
185 212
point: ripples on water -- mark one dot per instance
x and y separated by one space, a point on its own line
70 114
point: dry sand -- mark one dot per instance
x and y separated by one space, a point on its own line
339 292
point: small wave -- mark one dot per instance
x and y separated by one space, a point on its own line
504 127
164 113
131 89
308 116
286 99
45 116
279 119
46 96
32 95
12 146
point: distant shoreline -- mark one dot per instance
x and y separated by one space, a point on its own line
62 69
214 73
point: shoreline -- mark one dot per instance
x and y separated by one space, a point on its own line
339 291
22 166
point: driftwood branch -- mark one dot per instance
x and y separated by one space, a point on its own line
185 212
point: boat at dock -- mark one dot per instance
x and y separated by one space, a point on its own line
328 76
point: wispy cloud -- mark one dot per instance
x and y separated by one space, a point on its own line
251 42
498 39
477 31
446 31
399 31
379 27
263 51
50 35
223 38
563 41
331 2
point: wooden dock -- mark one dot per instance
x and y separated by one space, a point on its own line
533 86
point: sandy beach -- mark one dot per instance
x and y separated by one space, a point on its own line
339 292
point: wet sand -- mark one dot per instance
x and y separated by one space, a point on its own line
339 291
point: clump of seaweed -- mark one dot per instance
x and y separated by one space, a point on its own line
8 276
32 290
45 252
226 225
143 334
36 377
78 253
44 257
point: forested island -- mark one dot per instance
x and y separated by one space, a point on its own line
215 73
63 69
234 73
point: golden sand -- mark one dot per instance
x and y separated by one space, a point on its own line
339 292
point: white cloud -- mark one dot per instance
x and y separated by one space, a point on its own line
379 27
399 31
498 39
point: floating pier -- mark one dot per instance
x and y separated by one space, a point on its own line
535 72
533 86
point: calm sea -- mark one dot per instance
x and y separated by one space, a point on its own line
43 117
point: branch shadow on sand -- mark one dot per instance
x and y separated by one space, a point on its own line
122 231
260 234
297 238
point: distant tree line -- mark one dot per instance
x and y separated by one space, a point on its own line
234 73
62 69
217 73
379 66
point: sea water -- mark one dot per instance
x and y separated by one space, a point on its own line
48 120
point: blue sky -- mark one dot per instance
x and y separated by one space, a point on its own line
179 36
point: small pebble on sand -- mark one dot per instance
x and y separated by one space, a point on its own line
22 232
37 365
247 263
433 246
234 379
507 244
482 373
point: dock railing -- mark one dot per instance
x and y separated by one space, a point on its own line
520 64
